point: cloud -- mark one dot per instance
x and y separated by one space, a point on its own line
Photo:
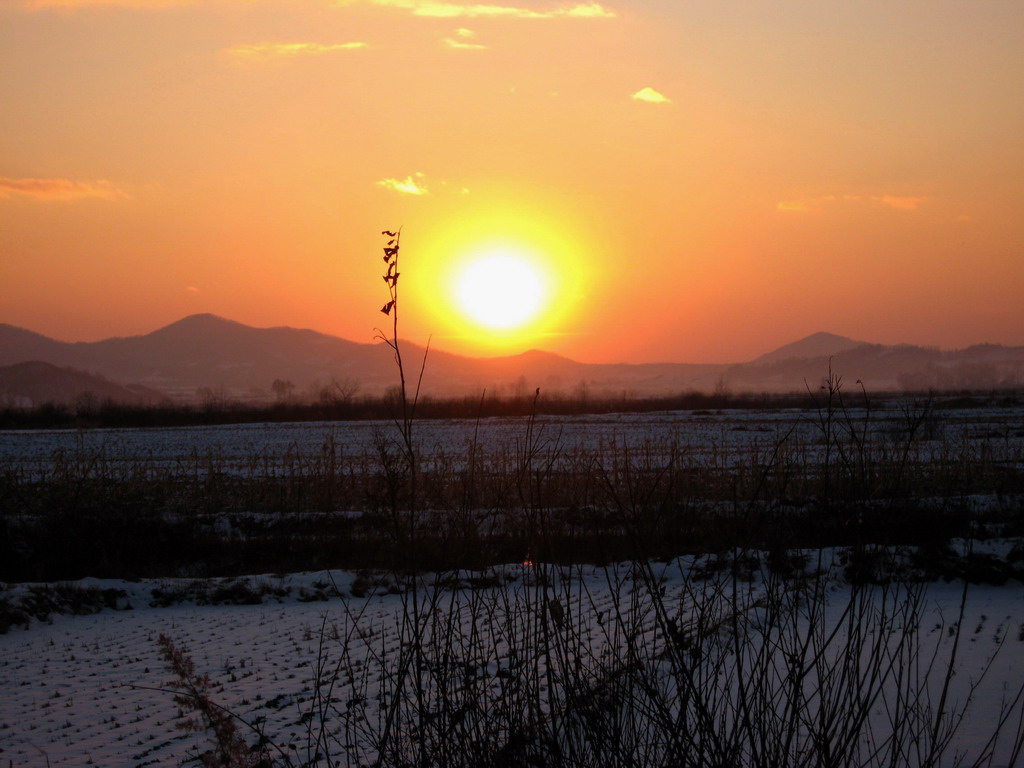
899 203
806 205
265 51
411 185
463 43
651 96
416 185
792 206
461 46
435 9
72 4
58 189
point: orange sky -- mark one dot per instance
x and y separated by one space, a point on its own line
698 181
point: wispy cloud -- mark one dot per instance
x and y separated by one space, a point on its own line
435 9
792 206
459 45
899 203
651 96
811 204
264 51
58 189
72 4
462 40
411 185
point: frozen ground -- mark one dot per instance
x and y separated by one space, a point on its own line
79 689
720 436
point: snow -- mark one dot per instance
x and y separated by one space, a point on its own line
724 437
83 690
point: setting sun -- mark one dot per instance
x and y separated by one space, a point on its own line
508 279
500 290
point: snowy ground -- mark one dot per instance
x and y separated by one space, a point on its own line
79 689
724 436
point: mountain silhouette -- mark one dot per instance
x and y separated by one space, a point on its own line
816 345
204 353
24 385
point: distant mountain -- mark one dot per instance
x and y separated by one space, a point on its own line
815 345
884 368
18 345
205 356
25 385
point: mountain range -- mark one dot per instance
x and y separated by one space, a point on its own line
205 356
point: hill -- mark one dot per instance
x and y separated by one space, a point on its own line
26 385
204 356
814 346
886 368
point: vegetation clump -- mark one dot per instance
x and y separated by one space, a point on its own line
42 601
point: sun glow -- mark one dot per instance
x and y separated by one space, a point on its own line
500 278
500 289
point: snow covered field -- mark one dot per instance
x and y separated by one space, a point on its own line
79 689
723 435
612 646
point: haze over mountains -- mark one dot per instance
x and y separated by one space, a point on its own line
204 356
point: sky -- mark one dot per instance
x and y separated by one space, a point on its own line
684 181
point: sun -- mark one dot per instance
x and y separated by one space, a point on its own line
500 289
501 279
